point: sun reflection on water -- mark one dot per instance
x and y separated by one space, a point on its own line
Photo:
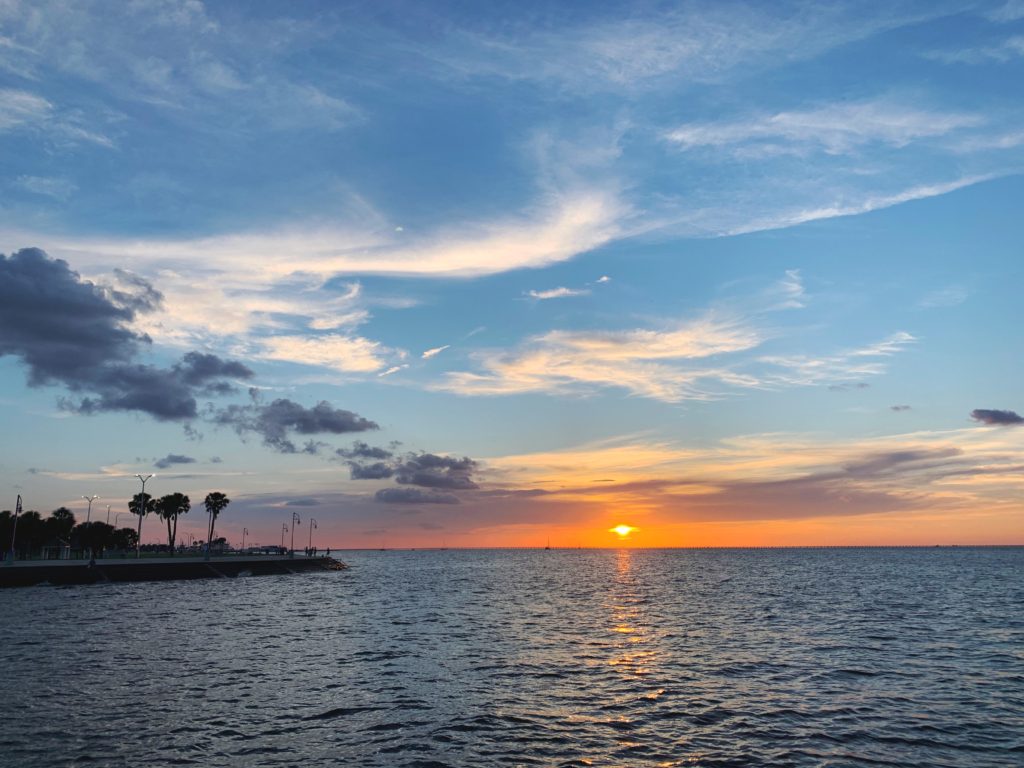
632 654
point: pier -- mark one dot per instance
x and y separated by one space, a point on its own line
27 573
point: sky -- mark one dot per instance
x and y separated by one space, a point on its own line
461 274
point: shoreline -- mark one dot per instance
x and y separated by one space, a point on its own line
27 573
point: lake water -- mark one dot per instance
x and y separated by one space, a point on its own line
831 657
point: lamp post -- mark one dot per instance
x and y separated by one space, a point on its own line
244 531
108 514
142 513
312 526
284 530
90 499
295 521
14 530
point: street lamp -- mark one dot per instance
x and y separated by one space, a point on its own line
14 529
142 513
108 514
312 527
284 530
244 531
90 499
295 521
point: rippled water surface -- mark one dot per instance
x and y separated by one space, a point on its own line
569 657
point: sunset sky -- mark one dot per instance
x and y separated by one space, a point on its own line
497 274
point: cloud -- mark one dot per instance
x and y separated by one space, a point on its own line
348 354
56 187
1005 50
361 450
566 361
22 108
630 52
1011 10
302 503
805 370
275 421
432 471
557 293
414 496
393 370
837 128
996 417
950 296
899 408
378 470
171 459
75 333
427 354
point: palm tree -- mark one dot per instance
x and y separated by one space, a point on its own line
169 507
141 504
215 503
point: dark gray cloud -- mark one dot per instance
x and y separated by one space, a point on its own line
997 417
432 471
302 503
378 470
361 450
171 459
901 461
60 326
899 408
275 421
135 292
414 496
71 332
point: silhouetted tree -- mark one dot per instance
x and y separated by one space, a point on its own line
215 503
141 504
169 507
125 539
94 536
60 522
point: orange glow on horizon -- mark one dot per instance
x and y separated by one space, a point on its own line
622 530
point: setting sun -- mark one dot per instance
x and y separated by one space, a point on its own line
622 530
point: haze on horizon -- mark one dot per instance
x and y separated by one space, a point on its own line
725 273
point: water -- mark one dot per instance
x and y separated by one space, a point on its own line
564 658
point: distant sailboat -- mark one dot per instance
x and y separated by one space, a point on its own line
548 545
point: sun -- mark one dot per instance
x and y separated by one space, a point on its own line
622 530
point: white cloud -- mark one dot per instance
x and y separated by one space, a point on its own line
568 361
1010 48
850 365
557 293
866 204
1011 10
392 370
18 108
833 128
433 352
348 354
56 187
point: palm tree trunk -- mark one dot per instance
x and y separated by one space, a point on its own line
174 533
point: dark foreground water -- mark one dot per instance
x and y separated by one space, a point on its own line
566 658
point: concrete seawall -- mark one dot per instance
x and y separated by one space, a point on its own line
31 573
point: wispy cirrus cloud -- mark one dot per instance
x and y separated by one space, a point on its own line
634 360
849 365
832 128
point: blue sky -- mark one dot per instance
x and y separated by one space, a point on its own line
626 260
